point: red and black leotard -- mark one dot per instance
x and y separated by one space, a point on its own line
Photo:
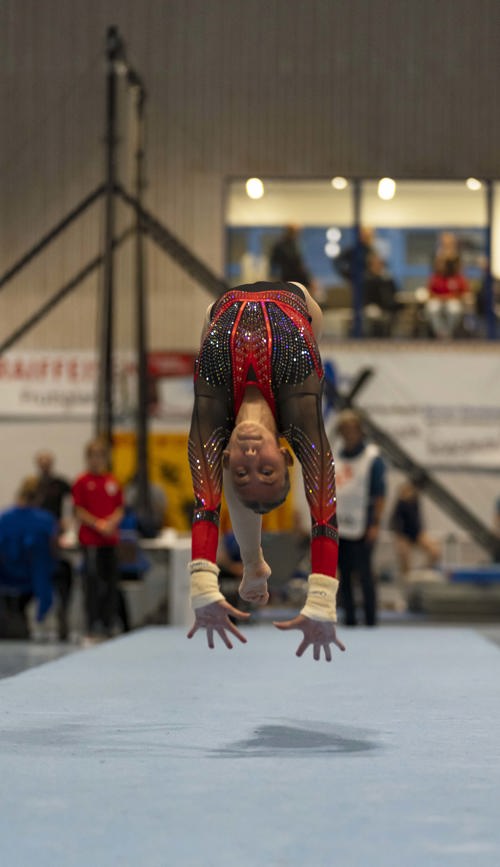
261 335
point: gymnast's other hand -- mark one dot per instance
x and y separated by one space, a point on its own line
215 618
319 633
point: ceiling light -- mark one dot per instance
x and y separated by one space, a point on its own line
339 183
333 234
332 250
473 184
254 188
386 189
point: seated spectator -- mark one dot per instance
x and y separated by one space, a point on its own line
448 290
380 303
132 562
54 495
28 540
147 525
406 523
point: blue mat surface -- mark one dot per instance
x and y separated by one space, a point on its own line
152 751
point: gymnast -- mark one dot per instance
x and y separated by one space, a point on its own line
259 376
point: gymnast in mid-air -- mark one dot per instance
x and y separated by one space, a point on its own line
258 377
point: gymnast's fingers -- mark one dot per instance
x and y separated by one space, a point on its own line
222 633
193 629
338 643
304 644
235 631
286 624
235 612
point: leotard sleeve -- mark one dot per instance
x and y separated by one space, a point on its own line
301 421
208 437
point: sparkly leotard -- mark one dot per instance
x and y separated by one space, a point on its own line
261 335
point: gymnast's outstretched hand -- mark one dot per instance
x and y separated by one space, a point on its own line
319 633
215 618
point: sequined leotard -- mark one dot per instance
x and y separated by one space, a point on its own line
261 335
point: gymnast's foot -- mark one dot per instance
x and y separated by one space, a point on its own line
253 587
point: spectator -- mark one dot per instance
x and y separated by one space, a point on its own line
147 525
406 522
380 303
448 247
53 493
345 262
28 539
98 501
287 263
448 290
361 489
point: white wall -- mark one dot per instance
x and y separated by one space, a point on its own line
19 441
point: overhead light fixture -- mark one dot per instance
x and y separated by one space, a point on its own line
473 184
332 249
339 183
333 234
386 189
254 188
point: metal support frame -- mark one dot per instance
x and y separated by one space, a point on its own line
144 505
60 295
491 325
357 270
51 235
104 415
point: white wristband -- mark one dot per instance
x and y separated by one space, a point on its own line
321 598
204 584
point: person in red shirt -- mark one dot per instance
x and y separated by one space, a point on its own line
98 501
447 290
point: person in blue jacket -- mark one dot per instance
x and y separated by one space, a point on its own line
28 544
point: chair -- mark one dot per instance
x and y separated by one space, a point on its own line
132 562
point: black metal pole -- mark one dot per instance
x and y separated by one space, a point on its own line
357 270
53 233
142 420
176 249
489 301
58 296
104 421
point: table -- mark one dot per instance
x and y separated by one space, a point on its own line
172 551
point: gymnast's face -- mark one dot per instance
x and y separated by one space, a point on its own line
257 464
